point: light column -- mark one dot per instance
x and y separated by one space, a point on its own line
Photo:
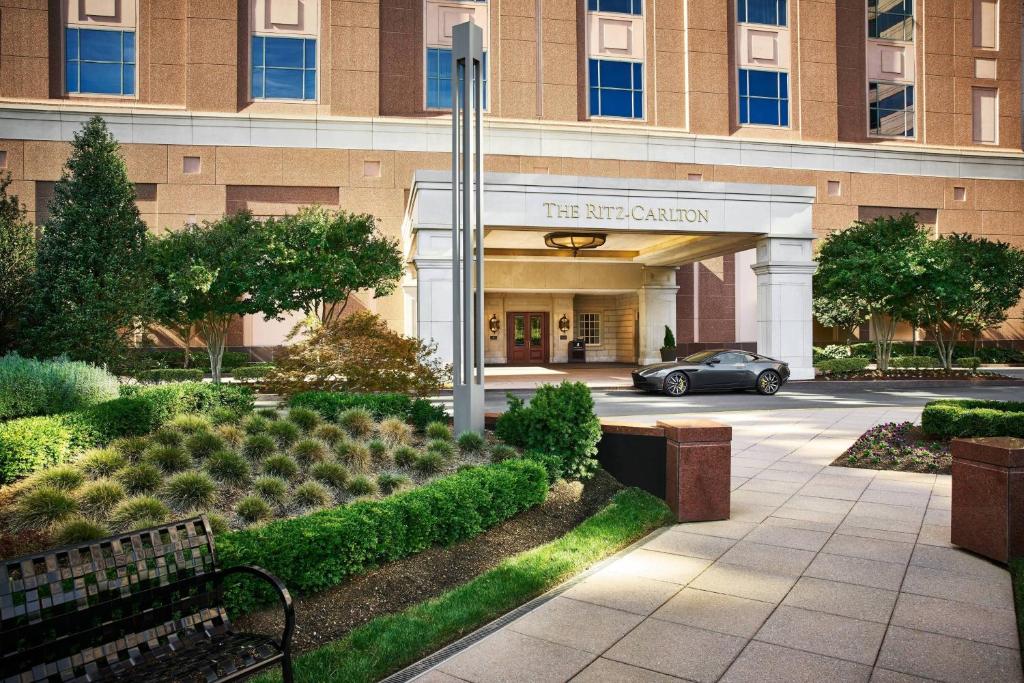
784 269
657 309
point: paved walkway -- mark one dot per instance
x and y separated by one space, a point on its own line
822 574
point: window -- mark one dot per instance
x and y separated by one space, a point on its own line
99 62
619 6
588 328
283 68
891 19
771 12
616 88
439 78
985 115
891 109
764 97
986 24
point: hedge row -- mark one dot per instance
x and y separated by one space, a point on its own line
170 375
914 362
839 366
987 354
252 373
418 411
319 550
965 418
173 358
31 387
29 444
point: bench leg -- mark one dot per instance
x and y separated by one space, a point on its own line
286 668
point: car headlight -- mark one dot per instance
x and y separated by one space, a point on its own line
655 372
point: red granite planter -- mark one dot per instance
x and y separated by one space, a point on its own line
988 496
698 463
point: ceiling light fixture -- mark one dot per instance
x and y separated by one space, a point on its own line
575 240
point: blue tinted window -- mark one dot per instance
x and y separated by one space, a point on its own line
764 97
891 19
620 6
99 62
771 12
616 88
283 68
439 78
891 109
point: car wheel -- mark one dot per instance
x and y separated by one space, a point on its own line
768 383
677 384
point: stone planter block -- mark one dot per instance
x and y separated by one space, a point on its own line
988 496
698 463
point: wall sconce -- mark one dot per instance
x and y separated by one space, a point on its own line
563 324
494 324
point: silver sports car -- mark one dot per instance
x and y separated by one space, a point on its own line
714 369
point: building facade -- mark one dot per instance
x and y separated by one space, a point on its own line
708 141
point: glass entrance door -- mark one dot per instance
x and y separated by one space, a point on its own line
527 338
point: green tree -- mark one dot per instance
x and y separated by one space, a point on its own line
875 264
91 288
843 313
17 263
969 285
322 257
209 274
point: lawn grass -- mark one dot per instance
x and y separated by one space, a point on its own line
389 643
1017 574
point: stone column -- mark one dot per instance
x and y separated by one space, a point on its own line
698 465
434 304
784 269
657 299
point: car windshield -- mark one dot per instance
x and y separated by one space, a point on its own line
700 356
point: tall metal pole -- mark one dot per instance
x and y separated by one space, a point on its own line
467 227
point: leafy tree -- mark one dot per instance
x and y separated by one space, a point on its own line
211 273
875 264
91 287
359 353
324 256
17 263
969 285
844 313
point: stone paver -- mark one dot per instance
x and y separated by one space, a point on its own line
820 574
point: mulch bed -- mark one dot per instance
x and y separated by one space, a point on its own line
917 374
329 615
900 446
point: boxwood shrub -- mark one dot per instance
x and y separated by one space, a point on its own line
418 411
966 418
170 375
252 373
840 366
914 362
970 362
319 550
30 387
28 444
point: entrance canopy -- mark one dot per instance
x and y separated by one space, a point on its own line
652 226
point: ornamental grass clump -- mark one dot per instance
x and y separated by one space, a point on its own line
255 424
438 430
379 451
231 435
228 467
357 456
430 462
502 451
390 482
143 477
405 456
221 416
44 506
311 494
218 523
358 422
190 491
190 424
471 442
304 418
395 431
165 436
258 446
334 474
329 433
97 498
79 530
252 509
281 465
101 462
361 486
268 413
138 513
168 459
309 451
202 444
284 433
62 477
442 447
131 447
272 489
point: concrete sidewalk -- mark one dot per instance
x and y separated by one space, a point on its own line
822 573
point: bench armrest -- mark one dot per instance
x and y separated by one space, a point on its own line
282 593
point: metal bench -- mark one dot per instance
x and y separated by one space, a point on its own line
141 606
